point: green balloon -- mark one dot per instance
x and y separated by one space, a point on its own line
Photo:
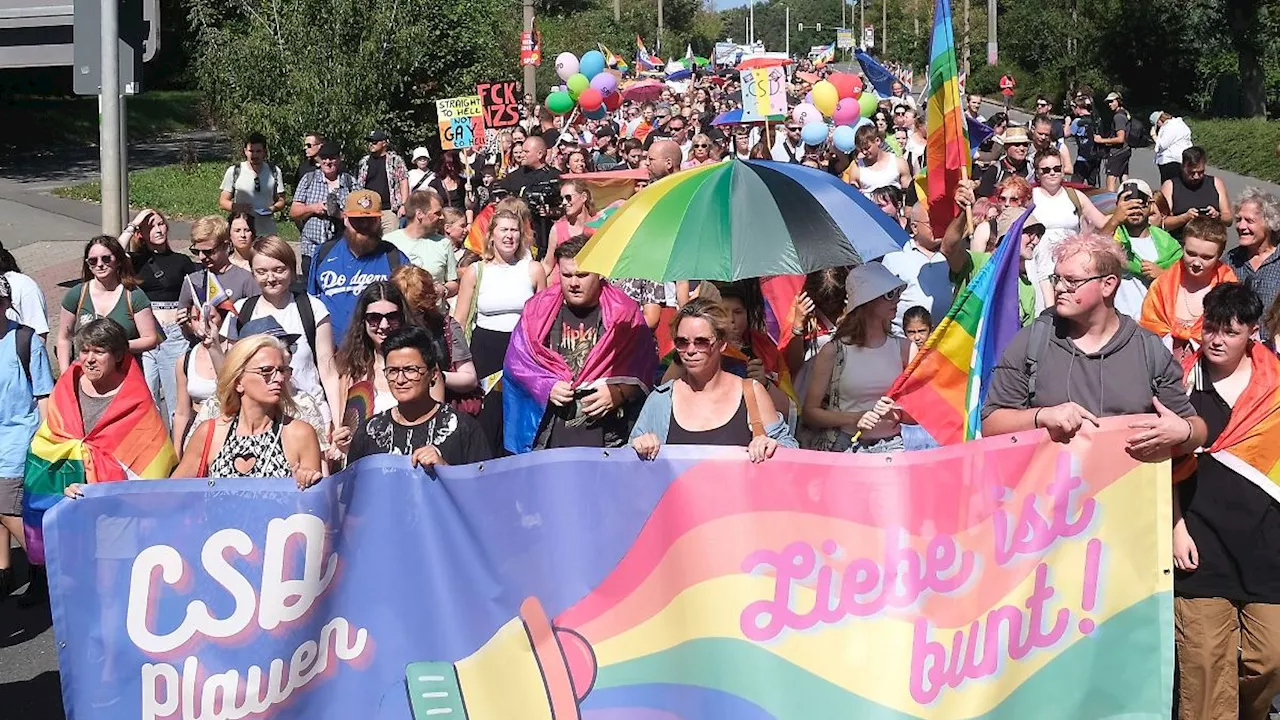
559 102
577 82
867 103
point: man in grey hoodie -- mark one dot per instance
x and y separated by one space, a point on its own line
1082 360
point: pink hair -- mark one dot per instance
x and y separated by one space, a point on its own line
1103 252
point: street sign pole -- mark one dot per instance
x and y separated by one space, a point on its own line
110 130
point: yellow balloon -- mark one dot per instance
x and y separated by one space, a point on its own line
825 97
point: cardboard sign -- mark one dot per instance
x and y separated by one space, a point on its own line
764 93
501 101
461 122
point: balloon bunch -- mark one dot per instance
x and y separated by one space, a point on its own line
588 85
842 98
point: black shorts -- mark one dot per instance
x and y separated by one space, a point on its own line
1169 171
1118 162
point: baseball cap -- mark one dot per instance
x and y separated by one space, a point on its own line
1113 95
1010 215
363 203
329 150
867 282
1155 117
1136 185
421 152
377 136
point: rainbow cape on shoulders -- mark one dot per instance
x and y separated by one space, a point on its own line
129 442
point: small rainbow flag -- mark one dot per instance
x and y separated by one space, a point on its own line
945 384
947 154
612 59
129 442
827 55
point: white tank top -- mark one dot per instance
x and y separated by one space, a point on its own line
872 178
502 293
1056 212
866 377
200 388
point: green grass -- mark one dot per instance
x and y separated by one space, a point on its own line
180 192
67 121
1248 147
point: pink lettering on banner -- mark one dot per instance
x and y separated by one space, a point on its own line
1032 532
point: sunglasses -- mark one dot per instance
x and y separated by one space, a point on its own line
1050 170
100 260
202 252
893 295
567 196
701 145
793 129
375 319
1041 103
1010 199
1017 144
699 344
308 145
270 373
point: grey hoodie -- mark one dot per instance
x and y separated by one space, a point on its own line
1113 381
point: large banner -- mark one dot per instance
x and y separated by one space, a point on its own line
1006 578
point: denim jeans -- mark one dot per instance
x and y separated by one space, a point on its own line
160 367
882 445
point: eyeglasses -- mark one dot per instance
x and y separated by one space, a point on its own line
793 129
1016 145
699 344
1010 199
375 319
893 295
203 252
270 373
675 128
701 145
308 145
99 260
1041 103
257 184
568 196
1050 170
1072 284
412 373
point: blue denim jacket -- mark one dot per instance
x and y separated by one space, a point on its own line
655 417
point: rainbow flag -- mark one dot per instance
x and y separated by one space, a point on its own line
827 55
645 61
1248 445
129 442
612 59
945 384
947 156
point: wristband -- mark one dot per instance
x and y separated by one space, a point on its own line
1190 431
1035 420
797 331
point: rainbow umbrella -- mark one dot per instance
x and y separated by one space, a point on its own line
740 219
734 117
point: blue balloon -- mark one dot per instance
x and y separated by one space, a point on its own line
597 114
591 64
842 138
815 133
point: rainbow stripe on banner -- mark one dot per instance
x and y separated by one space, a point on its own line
947 155
1012 577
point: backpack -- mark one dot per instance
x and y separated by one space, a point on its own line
271 170
1135 132
22 343
1042 330
305 313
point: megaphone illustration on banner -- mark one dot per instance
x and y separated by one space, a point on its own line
528 669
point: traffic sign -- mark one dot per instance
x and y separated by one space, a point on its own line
139 40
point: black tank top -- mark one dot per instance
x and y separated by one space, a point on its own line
1185 198
735 433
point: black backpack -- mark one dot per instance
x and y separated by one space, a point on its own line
1136 134
22 344
303 301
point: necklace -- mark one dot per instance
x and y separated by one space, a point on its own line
1185 296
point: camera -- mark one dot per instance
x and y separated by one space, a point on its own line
544 198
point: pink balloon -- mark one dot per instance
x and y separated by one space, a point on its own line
804 113
847 112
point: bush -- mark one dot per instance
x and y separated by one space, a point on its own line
1248 147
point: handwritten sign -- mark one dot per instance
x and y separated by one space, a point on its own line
501 101
461 122
764 93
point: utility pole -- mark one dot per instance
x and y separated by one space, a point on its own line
915 14
751 23
787 20
993 47
659 47
530 72
617 10
964 41
884 28
842 4
110 139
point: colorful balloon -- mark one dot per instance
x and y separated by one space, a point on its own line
613 102
597 114
577 83
825 97
590 100
804 112
815 133
559 102
606 83
857 84
868 102
592 63
566 65
844 84
846 113
843 138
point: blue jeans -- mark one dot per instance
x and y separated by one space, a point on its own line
883 445
915 437
159 365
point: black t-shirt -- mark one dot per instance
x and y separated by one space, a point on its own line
1234 524
375 179
161 275
575 332
457 436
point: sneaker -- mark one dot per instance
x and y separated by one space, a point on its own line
37 592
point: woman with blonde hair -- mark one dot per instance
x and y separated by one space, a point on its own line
851 374
579 209
701 152
256 435
491 296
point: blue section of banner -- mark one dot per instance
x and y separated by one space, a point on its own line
466 544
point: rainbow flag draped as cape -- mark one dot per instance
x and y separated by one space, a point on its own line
1160 308
945 384
1250 444
129 442
947 154
625 353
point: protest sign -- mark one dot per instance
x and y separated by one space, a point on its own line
1011 577
501 101
764 93
461 122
